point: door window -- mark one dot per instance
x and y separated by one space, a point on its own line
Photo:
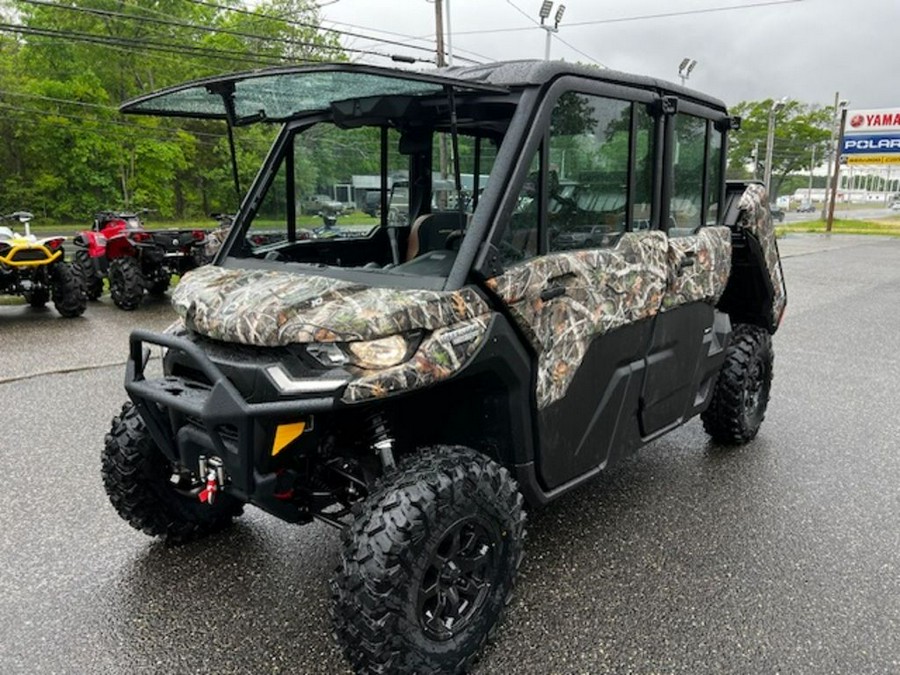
686 203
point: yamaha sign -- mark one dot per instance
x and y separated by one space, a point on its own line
872 136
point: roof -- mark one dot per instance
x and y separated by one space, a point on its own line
287 92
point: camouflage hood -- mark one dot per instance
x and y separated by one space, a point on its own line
275 308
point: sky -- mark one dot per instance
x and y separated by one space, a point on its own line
802 49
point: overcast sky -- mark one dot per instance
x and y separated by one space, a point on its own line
803 49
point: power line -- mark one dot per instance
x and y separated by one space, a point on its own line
307 24
663 15
206 29
164 47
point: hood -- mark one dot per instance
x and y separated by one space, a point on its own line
274 308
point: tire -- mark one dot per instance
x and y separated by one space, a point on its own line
126 283
67 290
407 569
136 477
742 389
159 286
93 285
38 297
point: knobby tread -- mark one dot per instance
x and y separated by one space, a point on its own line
68 290
135 475
385 545
725 419
93 286
126 283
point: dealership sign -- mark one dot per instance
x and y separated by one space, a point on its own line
871 144
872 137
886 120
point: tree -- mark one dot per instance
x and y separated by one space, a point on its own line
800 130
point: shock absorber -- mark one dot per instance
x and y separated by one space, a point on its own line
382 441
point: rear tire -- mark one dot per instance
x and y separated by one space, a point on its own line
742 389
38 297
126 283
68 290
159 286
429 564
136 477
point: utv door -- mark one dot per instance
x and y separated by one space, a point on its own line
581 280
689 337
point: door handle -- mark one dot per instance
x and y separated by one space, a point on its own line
552 292
687 261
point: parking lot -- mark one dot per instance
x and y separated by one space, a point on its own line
777 557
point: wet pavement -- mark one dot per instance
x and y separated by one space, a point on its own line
780 556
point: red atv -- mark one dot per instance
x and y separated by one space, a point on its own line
133 258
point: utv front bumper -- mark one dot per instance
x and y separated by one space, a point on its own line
190 419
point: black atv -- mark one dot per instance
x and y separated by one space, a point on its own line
418 384
37 269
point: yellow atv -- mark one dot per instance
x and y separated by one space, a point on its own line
36 269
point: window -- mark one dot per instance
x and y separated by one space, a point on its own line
713 176
590 153
520 237
686 203
476 160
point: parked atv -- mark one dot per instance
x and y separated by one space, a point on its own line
134 259
36 269
417 384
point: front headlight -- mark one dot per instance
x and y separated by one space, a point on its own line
369 354
378 354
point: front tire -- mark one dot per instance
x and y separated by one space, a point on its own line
741 394
93 285
68 290
126 283
429 564
136 477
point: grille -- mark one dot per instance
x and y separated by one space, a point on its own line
29 255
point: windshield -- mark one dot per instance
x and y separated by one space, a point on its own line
332 202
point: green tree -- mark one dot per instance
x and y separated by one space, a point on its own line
800 130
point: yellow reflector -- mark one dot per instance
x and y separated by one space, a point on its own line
286 434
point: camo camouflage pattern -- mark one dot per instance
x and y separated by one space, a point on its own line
605 289
275 308
756 219
699 265
442 354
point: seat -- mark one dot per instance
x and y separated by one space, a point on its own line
430 232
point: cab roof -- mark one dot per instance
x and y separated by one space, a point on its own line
290 92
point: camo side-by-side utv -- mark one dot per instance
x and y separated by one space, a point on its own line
37 269
418 383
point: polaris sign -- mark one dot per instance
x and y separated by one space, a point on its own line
871 144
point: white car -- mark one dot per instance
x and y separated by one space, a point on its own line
895 206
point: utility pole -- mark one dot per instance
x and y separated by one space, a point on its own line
833 150
755 157
837 171
812 164
770 141
441 63
439 31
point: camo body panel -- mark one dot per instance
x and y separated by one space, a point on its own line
704 279
440 356
275 308
756 218
605 289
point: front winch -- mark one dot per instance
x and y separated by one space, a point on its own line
214 471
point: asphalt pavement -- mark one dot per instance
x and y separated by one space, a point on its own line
777 557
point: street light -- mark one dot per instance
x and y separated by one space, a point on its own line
685 68
839 106
770 140
544 13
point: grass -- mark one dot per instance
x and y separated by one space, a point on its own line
887 227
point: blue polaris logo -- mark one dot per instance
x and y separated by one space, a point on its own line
871 143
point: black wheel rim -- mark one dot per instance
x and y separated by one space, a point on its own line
457 578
